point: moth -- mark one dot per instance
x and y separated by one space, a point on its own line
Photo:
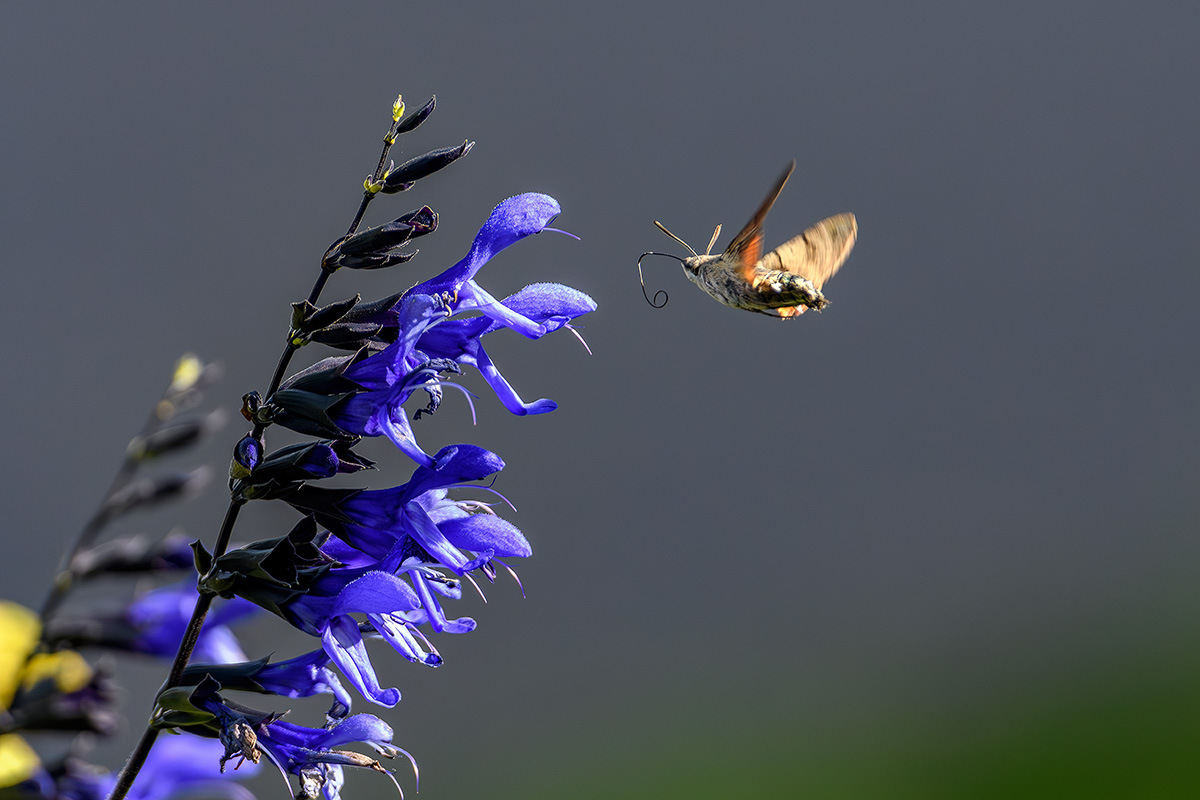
785 282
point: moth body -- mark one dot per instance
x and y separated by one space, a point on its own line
768 291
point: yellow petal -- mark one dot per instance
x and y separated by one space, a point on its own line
69 670
17 760
19 632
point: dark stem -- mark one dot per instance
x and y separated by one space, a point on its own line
285 357
64 579
134 764
138 757
196 623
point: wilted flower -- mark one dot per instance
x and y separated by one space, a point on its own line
248 734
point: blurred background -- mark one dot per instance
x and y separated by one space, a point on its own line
937 541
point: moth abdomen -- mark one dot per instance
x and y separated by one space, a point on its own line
779 288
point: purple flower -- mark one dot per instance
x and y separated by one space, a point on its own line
161 615
177 767
154 624
303 676
426 345
309 754
509 222
551 305
416 519
415 529
391 607
390 377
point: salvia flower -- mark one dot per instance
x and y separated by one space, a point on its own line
289 466
269 572
160 617
384 522
303 676
509 222
131 554
389 378
61 691
417 530
154 624
386 600
324 400
550 305
317 591
410 122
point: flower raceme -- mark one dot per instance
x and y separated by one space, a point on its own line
394 547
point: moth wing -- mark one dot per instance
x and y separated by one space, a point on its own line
784 312
746 248
817 253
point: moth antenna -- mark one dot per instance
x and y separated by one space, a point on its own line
642 280
713 240
663 228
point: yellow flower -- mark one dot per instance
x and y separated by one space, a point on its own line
18 762
19 632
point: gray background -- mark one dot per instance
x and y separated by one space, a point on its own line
939 540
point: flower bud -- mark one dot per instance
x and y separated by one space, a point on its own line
404 176
415 118
376 248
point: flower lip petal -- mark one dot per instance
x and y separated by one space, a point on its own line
344 644
482 532
509 222
376 592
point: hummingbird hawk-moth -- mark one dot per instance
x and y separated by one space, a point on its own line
785 282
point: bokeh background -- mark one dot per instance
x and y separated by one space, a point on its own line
938 541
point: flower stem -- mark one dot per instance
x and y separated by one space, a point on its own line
134 764
64 579
138 757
